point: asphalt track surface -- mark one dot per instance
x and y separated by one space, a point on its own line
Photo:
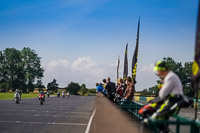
57 115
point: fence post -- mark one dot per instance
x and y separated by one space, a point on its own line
178 126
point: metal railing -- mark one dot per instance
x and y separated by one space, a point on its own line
132 109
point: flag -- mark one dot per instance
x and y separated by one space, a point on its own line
196 63
126 63
135 55
118 69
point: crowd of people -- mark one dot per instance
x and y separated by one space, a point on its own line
169 100
124 90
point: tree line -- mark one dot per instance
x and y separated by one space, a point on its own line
72 88
19 69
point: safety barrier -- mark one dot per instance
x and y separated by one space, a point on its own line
132 108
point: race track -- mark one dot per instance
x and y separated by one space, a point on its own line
57 115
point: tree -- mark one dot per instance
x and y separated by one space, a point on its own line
12 70
53 86
73 88
39 84
94 90
3 84
19 69
153 90
83 89
32 67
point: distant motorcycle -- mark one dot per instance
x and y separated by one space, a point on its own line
48 94
17 97
58 95
67 95
41 98
63 94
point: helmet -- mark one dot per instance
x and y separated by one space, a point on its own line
160 65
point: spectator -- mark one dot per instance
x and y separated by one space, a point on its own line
110 88
129 93
120 87
104 86
99 88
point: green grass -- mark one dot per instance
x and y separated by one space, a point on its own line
6 96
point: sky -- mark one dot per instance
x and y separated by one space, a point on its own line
80 40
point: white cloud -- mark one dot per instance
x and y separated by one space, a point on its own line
58 63
82 70
86 70
83 63
148 68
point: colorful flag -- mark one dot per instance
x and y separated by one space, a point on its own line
196 64
126 63
135 55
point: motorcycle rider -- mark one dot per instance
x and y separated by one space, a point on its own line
58 94
41 93
48 94
171 93
68 94
17 94
63 94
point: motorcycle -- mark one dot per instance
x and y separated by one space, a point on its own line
67 95
58 95
41 99
17 98
48 94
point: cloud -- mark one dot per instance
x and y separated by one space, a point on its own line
83 63
58 63
82 70
86 70
148 68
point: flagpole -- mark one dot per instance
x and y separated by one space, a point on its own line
196 64
196 102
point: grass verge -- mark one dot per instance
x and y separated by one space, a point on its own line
7 96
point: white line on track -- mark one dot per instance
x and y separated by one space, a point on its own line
38 115
60 116
77 112
48 123
90 122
